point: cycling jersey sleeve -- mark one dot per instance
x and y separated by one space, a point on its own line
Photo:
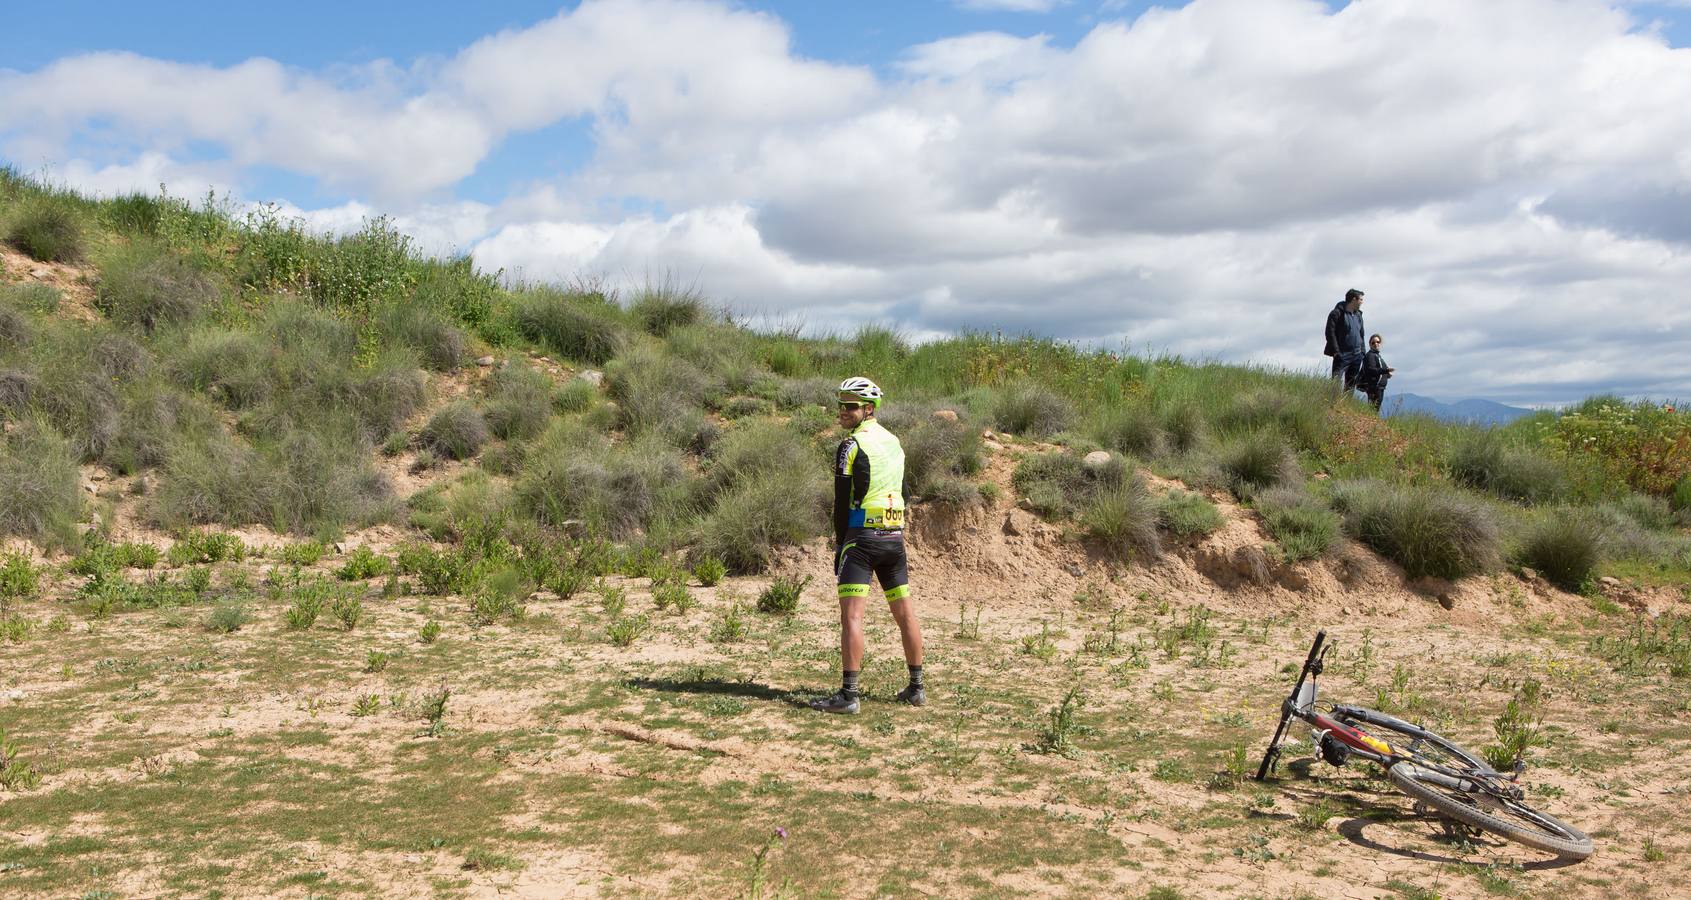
842 489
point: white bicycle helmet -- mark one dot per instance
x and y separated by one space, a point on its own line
863 388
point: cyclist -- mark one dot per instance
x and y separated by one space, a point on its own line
869 537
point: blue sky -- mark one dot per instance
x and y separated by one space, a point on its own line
1506 179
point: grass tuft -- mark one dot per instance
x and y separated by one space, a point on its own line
49 229
456 431
1429 531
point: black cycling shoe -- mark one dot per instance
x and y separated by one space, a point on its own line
913 695
837 702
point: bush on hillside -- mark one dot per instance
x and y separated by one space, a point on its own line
1644 445
1298 412
1134 430
456 431
797 393
662 309
953 493
519 401
74 382
211 479
577 327
1484 460
145 285
934 448
438 343
455 289
1031 410
658 393
1183 424
757 514
1123 518
152 415
231 367
1428 531
49 229
726 353
40 490
616 491
33 295
1188 514
1680 500
359 271
1564 546
1651 513
1301 525
1059 485
1256 460
758 450
16 332
135 214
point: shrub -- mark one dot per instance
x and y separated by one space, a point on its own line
741 407
1563 545
456 431
211 479
519 402
228 618
759 514
1302 526
1188 514
614 491
17 577
1031 410
201 547
438 343
709 570
40 490
348 611
663 309
755 450
1183 425
1256 460
42 298
304 553
1681 499
953 493
16 332
1135 430
135 213
304 611
657 392
1642 444
1482 459
145 285
1429 531
48 229
934 448
623 632
1645 511
796 393
1123 520
230 366
430 632
361 564
575 326
782 596
1059 484
673 595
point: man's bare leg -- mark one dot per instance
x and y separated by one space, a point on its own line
910 632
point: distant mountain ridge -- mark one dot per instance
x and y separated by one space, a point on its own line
1477 412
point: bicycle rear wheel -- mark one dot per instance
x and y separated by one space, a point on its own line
1501 816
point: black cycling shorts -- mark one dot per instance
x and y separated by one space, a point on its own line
875 551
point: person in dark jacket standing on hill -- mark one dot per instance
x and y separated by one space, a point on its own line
1344 339
1375 373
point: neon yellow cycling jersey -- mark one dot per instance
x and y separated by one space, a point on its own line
869 479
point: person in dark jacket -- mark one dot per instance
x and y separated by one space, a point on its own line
1375 373
1344 339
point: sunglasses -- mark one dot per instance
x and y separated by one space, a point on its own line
846 405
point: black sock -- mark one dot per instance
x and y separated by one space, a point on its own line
848 682
915 676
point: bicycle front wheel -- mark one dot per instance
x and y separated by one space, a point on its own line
1501 816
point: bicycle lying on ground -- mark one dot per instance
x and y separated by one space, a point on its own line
1435 772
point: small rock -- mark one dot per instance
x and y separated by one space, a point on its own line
485 361
1447 601
1011 526
97 475
40 272
993 446
1609 581
575 528
1096 459
592 376
91 488
1528 575
945 415
986 434
1075 570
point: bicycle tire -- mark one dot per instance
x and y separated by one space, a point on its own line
1547 833
1541 830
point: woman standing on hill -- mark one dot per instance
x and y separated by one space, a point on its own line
1375 373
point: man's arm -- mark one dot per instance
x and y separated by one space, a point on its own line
1332 334
842 489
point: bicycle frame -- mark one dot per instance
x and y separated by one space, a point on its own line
1300 704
